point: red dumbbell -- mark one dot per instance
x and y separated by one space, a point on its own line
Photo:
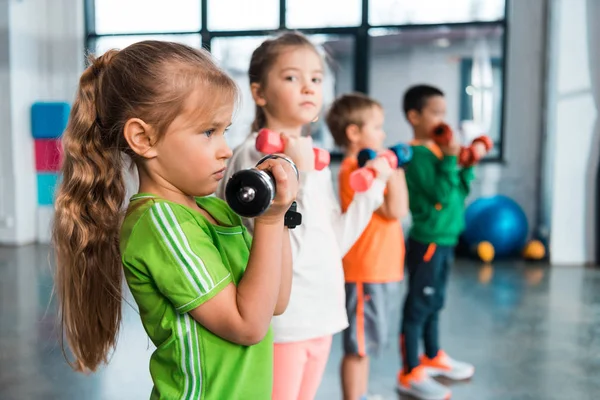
471 155
442 134
362 179
270 142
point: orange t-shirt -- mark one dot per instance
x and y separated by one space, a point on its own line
378 255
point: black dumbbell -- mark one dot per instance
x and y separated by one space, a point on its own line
250 192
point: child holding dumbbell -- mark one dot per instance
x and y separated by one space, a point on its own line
205 291
285 77
437 187
376 261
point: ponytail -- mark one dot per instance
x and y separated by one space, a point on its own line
86 229
148 80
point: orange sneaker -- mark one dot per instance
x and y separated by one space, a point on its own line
422 386
444 365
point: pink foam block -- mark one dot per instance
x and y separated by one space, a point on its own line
48 155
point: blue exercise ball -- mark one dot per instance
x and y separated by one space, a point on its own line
475 208
498 220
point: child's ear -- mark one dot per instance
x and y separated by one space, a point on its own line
353 133
140 137
414 117
257 94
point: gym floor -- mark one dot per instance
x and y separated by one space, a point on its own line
531 331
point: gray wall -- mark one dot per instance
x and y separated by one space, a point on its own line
42 61
573 146
5 116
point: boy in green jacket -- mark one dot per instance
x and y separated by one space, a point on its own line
437 189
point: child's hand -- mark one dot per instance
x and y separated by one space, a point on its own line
452 148
480 150
300 150
381 166
481 146
286 189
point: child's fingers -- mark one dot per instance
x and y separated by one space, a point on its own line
280 176
268 165
370 163
277 167
381 166
377 163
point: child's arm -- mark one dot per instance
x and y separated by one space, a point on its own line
285 287
307 199
350 224
395 203
300 150
467 175
243 314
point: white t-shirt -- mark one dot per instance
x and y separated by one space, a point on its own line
317 301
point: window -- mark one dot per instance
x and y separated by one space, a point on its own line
457 45
140 16
319 13
393 12
234 15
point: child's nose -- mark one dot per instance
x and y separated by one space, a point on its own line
225 152
309 88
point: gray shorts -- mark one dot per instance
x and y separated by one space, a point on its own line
367 309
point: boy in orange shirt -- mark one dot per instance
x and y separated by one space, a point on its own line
376 260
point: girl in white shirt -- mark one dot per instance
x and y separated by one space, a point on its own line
285 78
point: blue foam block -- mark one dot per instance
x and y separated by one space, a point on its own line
47 183
49 119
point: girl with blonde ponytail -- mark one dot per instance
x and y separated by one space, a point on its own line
206 292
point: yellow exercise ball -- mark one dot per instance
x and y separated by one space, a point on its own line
485 251
534 250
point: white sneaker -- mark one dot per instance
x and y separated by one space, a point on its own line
444 365
422 386
371 397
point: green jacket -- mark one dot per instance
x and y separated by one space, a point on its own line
437 189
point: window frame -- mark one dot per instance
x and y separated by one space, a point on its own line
362 61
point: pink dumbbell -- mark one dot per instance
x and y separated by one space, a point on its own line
270 142
362 179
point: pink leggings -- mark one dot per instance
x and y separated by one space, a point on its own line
298 368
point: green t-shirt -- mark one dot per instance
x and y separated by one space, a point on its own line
437 189
174 261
